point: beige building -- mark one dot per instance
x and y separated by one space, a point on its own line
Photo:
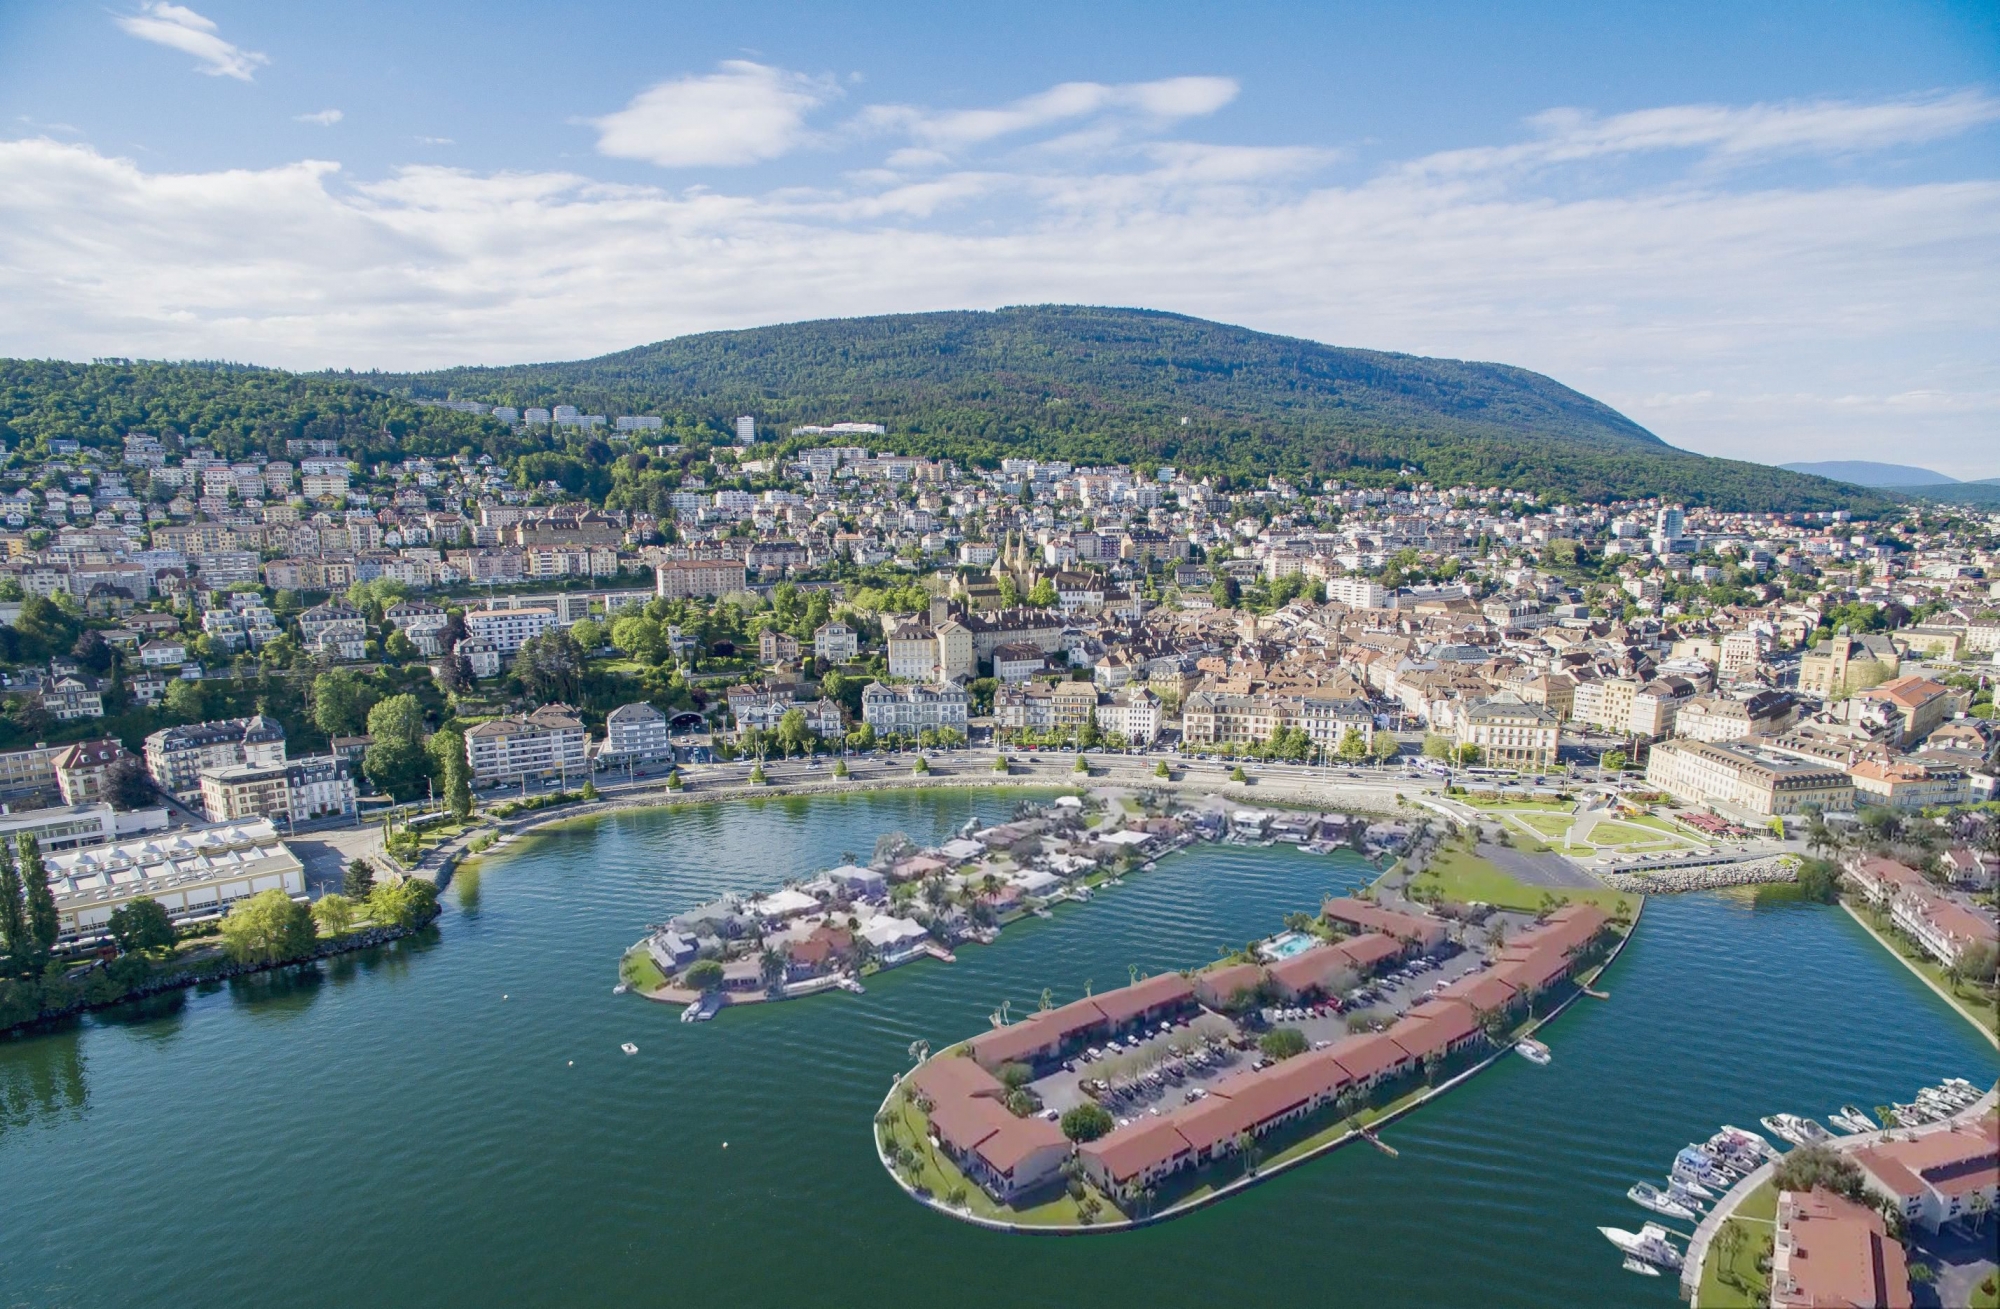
550 742
1511 732
677 579
1753 781
1843 664
1907 784
1730 718
1606 704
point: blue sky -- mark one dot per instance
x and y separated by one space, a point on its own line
1768 231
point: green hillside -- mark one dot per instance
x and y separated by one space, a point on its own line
1114 385
1089 385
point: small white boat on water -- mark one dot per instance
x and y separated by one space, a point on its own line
1858 1116
1634 1264
1648 1196
1649 1243
1533 1051
629 1048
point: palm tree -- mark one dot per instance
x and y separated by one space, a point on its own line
771 966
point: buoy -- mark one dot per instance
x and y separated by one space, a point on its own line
572 1063
725 1145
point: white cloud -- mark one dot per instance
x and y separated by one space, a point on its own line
435 140
1804 321
180 28
1160 102
1729 133
743 113
324 118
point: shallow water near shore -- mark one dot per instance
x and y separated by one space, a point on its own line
405 1126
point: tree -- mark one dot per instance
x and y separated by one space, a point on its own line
128 784
772 966
1612 761
1086 1122
340 703
1819 880
550 667
186 701
793 734
703 975
1043 596
1385 746
1468 755
43 923
13 917
1351 748
396 761
1282 1042
266 928
408 903
1437 747
447 752
141 925
1816 1165
360 879
334 913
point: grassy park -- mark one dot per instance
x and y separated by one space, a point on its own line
1458 874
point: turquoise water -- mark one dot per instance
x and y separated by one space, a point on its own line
390 1129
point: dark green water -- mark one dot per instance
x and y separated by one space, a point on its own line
391 1131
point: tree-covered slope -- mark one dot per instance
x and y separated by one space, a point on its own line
1104 385
1090 385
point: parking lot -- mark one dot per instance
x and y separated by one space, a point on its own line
1384 998
1204 1037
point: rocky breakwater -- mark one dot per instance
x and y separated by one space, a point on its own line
1666 881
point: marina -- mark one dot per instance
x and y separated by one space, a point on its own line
593 1208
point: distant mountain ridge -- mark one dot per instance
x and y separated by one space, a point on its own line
1865 472
1099 385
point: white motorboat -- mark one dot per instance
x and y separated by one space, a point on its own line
1842 1123
1682 1193
1634 1264
1785 1127
1750 1141
1648 1196
1533 1051
1858 1116
629 1048
1686 1182
1813 1133
1649 1243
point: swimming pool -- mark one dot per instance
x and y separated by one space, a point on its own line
1288 944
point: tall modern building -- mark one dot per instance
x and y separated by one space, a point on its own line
746 429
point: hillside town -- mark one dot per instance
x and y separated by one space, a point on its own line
218 636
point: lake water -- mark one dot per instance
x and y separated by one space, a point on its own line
408 1128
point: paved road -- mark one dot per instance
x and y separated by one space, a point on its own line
1550 870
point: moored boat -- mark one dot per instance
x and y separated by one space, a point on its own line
1648 1196
1749 1141
1533 1051
1649 1243
1634 1264
1785 1127
1858 1116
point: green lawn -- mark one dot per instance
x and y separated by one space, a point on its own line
1987 1294
1525 806
1732 1281
638 969
1457 875
1553 826
938 1175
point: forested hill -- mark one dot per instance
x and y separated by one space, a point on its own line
1117 385
1089 385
